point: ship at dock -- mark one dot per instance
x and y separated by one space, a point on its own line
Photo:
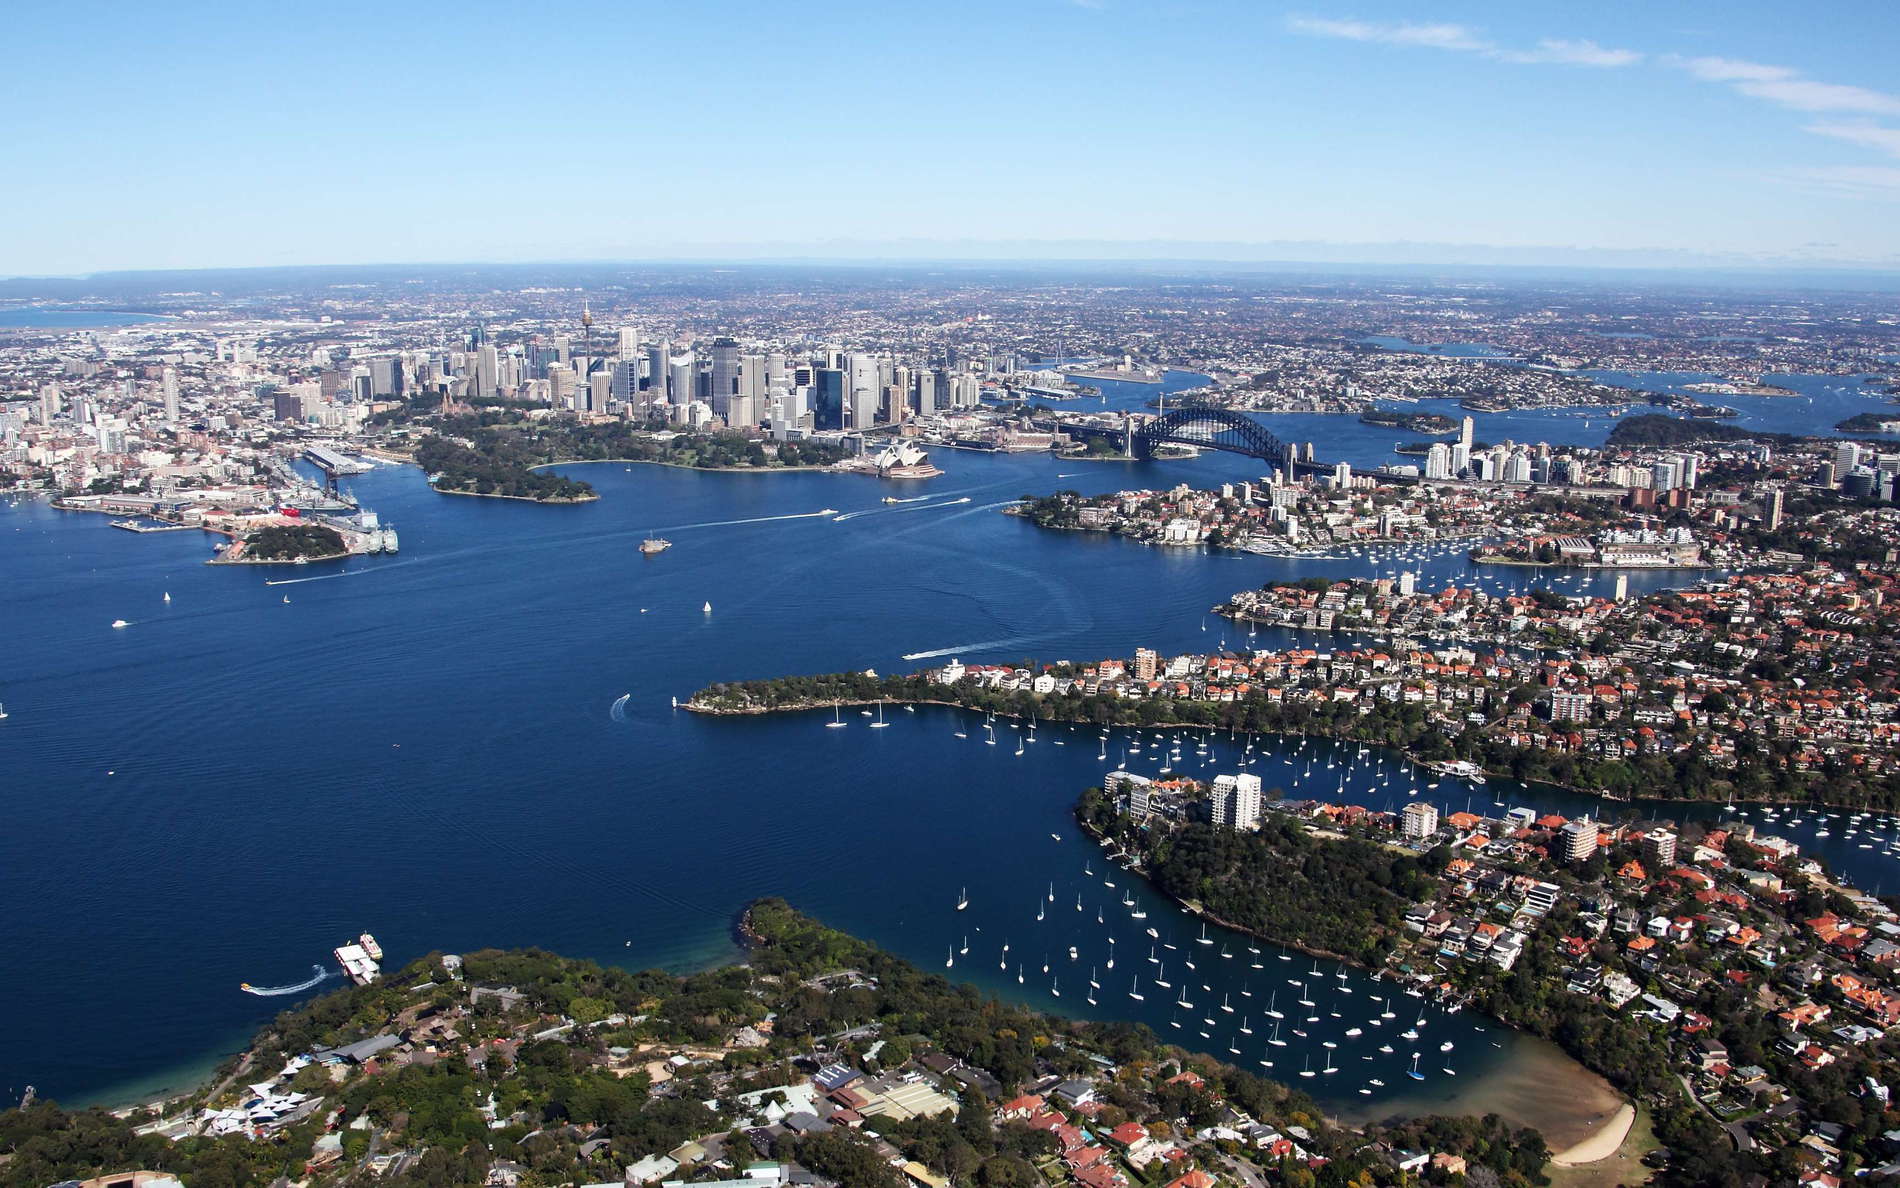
359 959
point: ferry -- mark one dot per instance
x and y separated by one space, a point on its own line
654 544
359 959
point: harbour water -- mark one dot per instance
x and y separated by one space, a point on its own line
426 746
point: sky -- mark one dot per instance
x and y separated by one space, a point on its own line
192 134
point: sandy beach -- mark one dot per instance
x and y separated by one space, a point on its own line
1535 1085
1603 1143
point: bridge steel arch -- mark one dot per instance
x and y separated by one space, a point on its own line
1209 428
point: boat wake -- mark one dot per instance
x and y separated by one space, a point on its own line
754 520
955 649
873 511
619 711
317 974
322 577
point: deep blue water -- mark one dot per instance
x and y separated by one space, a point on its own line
1452 350
424 746
72 319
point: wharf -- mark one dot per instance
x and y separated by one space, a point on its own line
153 526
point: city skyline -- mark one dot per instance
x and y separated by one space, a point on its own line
1477 134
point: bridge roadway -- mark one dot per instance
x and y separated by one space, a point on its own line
1120 435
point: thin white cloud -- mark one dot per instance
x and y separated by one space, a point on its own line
1874 136
1785 86
1573 53
1730 69
1460 39
1431 36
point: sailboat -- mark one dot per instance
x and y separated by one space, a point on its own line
1273 1003
951 959
963 899
1275 1039
168 596
880 723
707 609
1134 990
837 719
1413 1071
966 946
1244 1028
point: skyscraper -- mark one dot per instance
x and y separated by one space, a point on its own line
752 377
1846 458
861 391
656 373
1771 511
487 371
682 374
1465 428
828 398
385 376
725 374
169 386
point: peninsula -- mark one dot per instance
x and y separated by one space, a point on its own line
819 1060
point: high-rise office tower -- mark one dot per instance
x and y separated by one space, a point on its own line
629 345
682 374
1846 458
656 373
828 398
753 378
169 386
725 374
487 371
385 376
626 381
862 391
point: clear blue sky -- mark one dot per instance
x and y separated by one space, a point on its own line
200 134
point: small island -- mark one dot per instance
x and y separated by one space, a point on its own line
1871 422
287 544
1433 424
